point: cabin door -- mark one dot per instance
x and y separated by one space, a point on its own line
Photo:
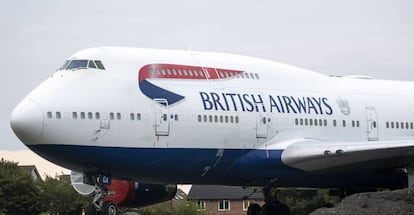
162 119
372 123
262 122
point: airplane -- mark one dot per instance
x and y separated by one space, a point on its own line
150 119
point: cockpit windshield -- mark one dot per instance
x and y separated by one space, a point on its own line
82 64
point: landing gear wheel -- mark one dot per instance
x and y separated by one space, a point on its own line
90 210
109 208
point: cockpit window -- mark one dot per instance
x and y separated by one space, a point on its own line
77 64
64 65
91 64
99 64
82 64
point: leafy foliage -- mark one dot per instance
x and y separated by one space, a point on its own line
302 201
19 193
58 195
184 207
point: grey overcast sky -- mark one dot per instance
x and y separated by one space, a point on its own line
370 37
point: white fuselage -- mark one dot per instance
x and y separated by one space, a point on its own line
122 121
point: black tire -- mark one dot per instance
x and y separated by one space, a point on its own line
90 210
109 208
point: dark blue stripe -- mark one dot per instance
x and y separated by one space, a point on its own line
152 91
177 165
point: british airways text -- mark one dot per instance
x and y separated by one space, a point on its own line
270 103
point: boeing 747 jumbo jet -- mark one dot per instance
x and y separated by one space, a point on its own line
155 118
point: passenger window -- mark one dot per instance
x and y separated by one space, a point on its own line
325 122
82 115
334 122
118 116
132 116
257 75
374 124
111 116
232 119
74 115
296 121
97 115
237 119
210 118
205 118
90 115
392 124
387 124
406 125
91 64
310 122
215 118
199 118
58 115
247 75
49 115
251 76
301 121
320 122
306 122
99 64
221 119
164 117
138 116
176 117
353 123
226 119
343 123
316 122
411 125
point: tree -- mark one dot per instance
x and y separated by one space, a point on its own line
184 207
58 196
304 201
19 193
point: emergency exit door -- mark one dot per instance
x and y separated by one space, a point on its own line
372 123
262 123
162 119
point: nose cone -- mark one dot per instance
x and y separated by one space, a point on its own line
27 121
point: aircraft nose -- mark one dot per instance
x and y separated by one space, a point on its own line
27 121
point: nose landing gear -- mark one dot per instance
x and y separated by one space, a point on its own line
87 184
101 206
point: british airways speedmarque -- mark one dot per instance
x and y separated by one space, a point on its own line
132 123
